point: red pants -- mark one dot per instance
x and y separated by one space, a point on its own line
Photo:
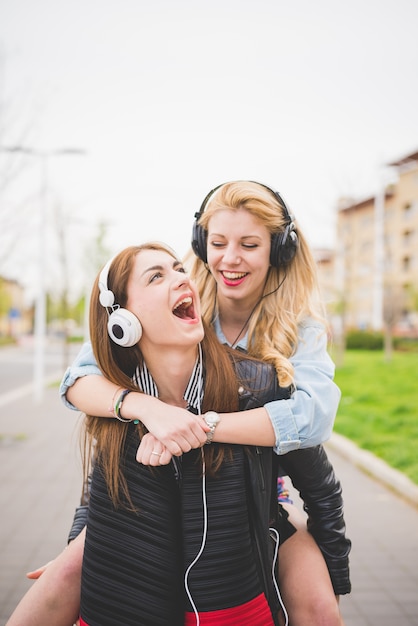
254 613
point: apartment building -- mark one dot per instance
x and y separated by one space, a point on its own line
15 318
374 268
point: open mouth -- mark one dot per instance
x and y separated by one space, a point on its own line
185 309
234 275
231 278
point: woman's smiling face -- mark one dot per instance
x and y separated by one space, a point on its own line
165 300
238 254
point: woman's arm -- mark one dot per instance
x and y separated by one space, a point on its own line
252 427
84 364
304 420
307 418
85 389
178 429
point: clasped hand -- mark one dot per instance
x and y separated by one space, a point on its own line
169 438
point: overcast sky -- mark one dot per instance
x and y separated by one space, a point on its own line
169 98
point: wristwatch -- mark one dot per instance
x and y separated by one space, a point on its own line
212 419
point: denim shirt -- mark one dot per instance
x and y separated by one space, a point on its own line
303 421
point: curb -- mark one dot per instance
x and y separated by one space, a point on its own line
391 478
25 390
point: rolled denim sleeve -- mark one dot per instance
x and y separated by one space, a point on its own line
307 418
83 365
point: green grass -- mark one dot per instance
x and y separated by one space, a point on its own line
379 406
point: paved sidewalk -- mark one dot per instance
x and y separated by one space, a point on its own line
384 530
40 486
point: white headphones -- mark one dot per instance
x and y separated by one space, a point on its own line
124 327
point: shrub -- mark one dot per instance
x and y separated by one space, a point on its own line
364 340
406 344
7 341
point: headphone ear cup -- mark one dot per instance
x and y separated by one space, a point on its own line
275 249
199 242
124 328
290 246
283 246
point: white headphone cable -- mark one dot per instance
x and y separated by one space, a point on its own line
204 501
276 539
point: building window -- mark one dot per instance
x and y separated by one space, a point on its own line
406 263
410 209
408 237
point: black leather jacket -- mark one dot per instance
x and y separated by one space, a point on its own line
309 469
311 474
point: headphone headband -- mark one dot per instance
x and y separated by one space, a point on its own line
106 297
123 327
283 244
287 215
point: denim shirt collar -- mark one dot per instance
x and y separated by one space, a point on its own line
242 343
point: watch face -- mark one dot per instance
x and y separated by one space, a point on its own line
212 418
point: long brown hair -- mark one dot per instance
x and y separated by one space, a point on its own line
118 364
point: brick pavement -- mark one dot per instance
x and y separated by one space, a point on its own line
41 478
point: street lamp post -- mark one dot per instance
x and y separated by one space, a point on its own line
40 305
379 217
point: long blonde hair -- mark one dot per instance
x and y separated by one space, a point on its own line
118 364
273 327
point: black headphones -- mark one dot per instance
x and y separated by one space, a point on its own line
124 327
283 245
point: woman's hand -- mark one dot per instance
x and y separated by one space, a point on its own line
152 452
177 429
36 573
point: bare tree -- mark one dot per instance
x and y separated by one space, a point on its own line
393 308
15 130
